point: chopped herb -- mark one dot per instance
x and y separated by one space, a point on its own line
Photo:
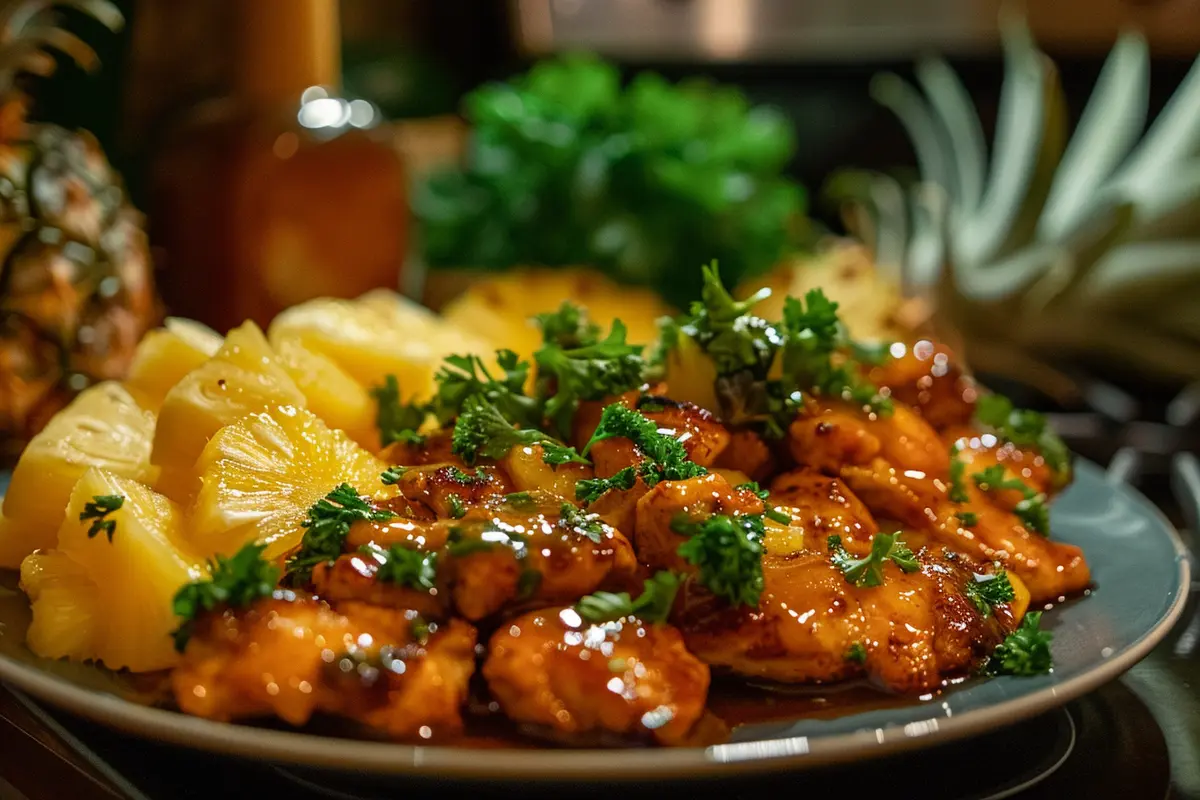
519 500
579 520
752 486
591 372
775 514
1025 651
728 552
985 591
958 470
459 546
726 330
968 519
1025 428
481 430
397 422
589 490
528 583
666 458
652 605
461 377
420 629
476 478
403 566
234 582
568 328
97 510
1032 510
326 527
856 653
491 536
867 572
392 475
457 509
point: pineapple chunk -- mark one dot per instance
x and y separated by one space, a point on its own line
260 476
335 397
111 601
243 377
167 354
379 334
500 308
103 427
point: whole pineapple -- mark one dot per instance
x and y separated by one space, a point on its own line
76 290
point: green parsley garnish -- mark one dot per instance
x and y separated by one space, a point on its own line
402 566
728 551
1025 428
856 653
985 591
1025 651
481 430
457 509
528 582
519 500
770 512
476 478
461 377
665 458
958 470
235 582
326 527
97 510
590 372
458 544
579 520
968 519
866 572
569 327
1032 510
397 422
392 475
652 605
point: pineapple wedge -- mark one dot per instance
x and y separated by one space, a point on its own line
103 427
500 308
243 377
260 476
111 601
379 334
167 354
339 400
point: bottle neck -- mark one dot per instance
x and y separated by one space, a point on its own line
285 46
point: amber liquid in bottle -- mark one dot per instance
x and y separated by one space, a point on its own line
270 196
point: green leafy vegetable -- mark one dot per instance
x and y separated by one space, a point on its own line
326 527
392 475
566 167
397 422
461 377
476 478
1025 428
519 500
568 328
402 566
481 430
579 520
589 490
866 572
457 509
486 537
958 469
1032 510
1025 651
856 653
588 372
97 510
986 591
728 551
234 582
665 458
770 512
652 605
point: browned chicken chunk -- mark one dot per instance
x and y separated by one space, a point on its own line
819 507
446 489
551 668
829 435
927 377
291 657
694 499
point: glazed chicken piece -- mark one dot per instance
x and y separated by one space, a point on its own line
749 454
446 489
980 451
354 577
292 656
637 680
698 498
819 507
1049 569
436 448
828 435
927 377
811 624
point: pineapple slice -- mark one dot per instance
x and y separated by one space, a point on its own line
379 334
243 377
260 476
335 397
103 427
167 354
500 308
111 601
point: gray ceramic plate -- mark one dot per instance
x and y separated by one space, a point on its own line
1141 576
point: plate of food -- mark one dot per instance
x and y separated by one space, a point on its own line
371 539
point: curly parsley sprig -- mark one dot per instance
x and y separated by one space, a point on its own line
326 527
97 510
463 376
987 591
403 566
728 553
396 421
652 605
665 458
591 371
481 430
1025 428
233 582
868 571
1025 651
1032 510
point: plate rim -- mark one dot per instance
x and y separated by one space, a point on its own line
793 753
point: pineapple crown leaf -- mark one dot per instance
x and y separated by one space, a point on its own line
30 27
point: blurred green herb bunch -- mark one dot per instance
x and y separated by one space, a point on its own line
565 166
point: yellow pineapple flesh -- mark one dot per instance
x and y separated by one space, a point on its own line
103 427
260 476
166 355
339 400
243 377
111 601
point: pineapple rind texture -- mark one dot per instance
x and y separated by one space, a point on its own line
111 601
260 476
